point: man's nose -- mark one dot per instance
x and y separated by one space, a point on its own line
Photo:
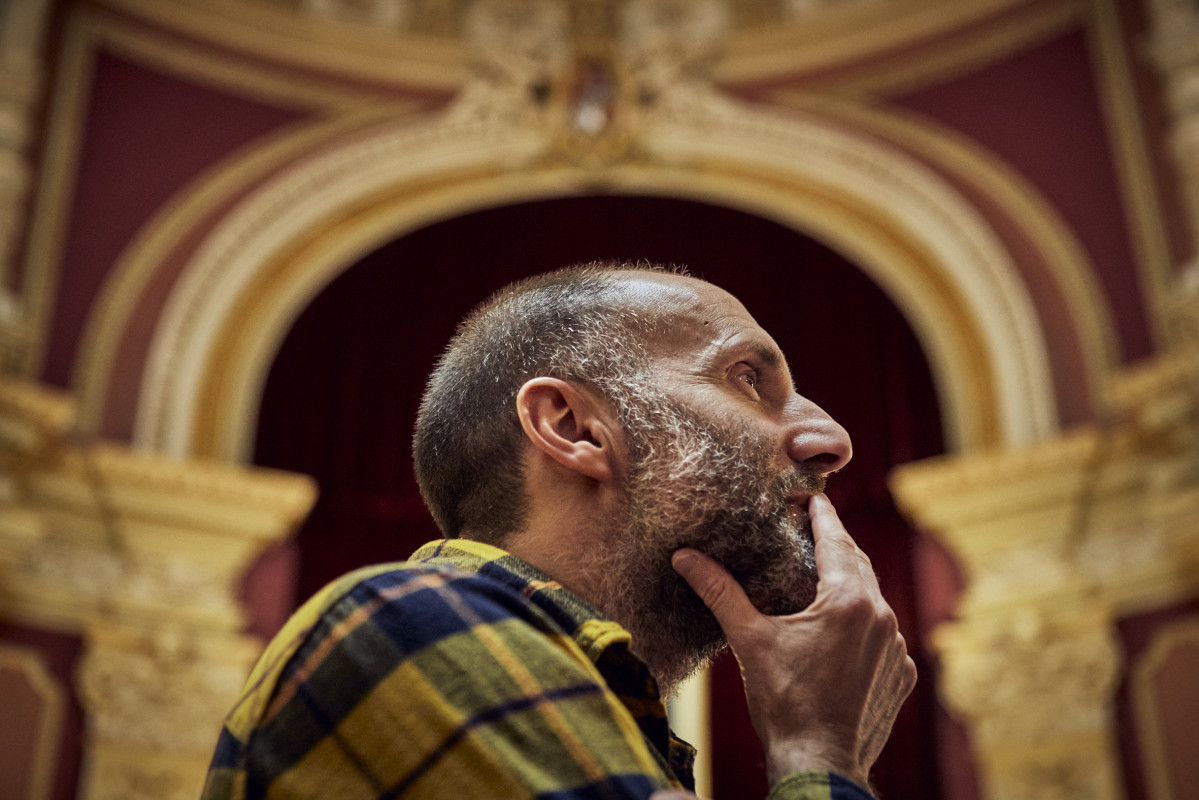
815 438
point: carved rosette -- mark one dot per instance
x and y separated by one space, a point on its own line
584 75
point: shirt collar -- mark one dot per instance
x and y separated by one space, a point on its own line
585 623
603 640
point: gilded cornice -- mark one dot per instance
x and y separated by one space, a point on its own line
125 529
271 34
212 495
31 419
428 45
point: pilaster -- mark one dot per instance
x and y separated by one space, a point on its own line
1056 542
143 557
21 78
1176 50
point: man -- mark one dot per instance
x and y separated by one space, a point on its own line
628 480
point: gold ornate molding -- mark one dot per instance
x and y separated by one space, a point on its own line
275 248
355 53
1175 47
1131 145
1057 541
21 75
62 140
421 42
143 556
922 43
1063 257
155 698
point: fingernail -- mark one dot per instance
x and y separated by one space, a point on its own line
682 560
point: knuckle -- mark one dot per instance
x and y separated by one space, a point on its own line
886 620
855 604
865 559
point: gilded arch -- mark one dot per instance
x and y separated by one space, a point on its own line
898 219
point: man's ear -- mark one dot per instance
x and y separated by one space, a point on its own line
570 425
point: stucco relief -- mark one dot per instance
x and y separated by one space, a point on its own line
1175 47
387 14
156 689
1059 671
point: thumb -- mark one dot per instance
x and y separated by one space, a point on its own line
719 590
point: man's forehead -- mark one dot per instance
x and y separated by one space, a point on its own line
680 294
697 314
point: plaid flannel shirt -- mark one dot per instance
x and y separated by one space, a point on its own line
465 673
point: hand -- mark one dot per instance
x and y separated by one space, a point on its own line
823 685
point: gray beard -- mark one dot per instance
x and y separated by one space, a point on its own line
718 489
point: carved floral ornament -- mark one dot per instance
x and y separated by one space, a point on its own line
589 70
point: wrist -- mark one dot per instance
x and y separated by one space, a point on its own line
819 784
784 759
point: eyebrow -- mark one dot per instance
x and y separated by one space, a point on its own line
770 356
773 359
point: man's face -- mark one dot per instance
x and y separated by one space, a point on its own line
694 483
722 456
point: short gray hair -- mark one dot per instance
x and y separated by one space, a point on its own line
579 324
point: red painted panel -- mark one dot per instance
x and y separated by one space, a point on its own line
145 136
1137 634
60 653
1040 112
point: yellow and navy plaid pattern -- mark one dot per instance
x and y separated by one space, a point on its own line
464 673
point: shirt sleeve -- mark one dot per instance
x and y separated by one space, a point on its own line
441 685
817 785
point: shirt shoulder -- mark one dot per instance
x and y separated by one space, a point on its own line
427 675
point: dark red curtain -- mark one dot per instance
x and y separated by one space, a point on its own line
342 395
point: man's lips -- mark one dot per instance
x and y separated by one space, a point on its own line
799 501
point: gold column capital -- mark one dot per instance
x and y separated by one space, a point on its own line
1056 541
143 556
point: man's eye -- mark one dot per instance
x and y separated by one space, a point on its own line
749 377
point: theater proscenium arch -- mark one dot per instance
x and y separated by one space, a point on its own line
897 219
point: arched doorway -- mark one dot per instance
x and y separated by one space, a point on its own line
341 398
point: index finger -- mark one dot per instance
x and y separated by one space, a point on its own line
838 557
